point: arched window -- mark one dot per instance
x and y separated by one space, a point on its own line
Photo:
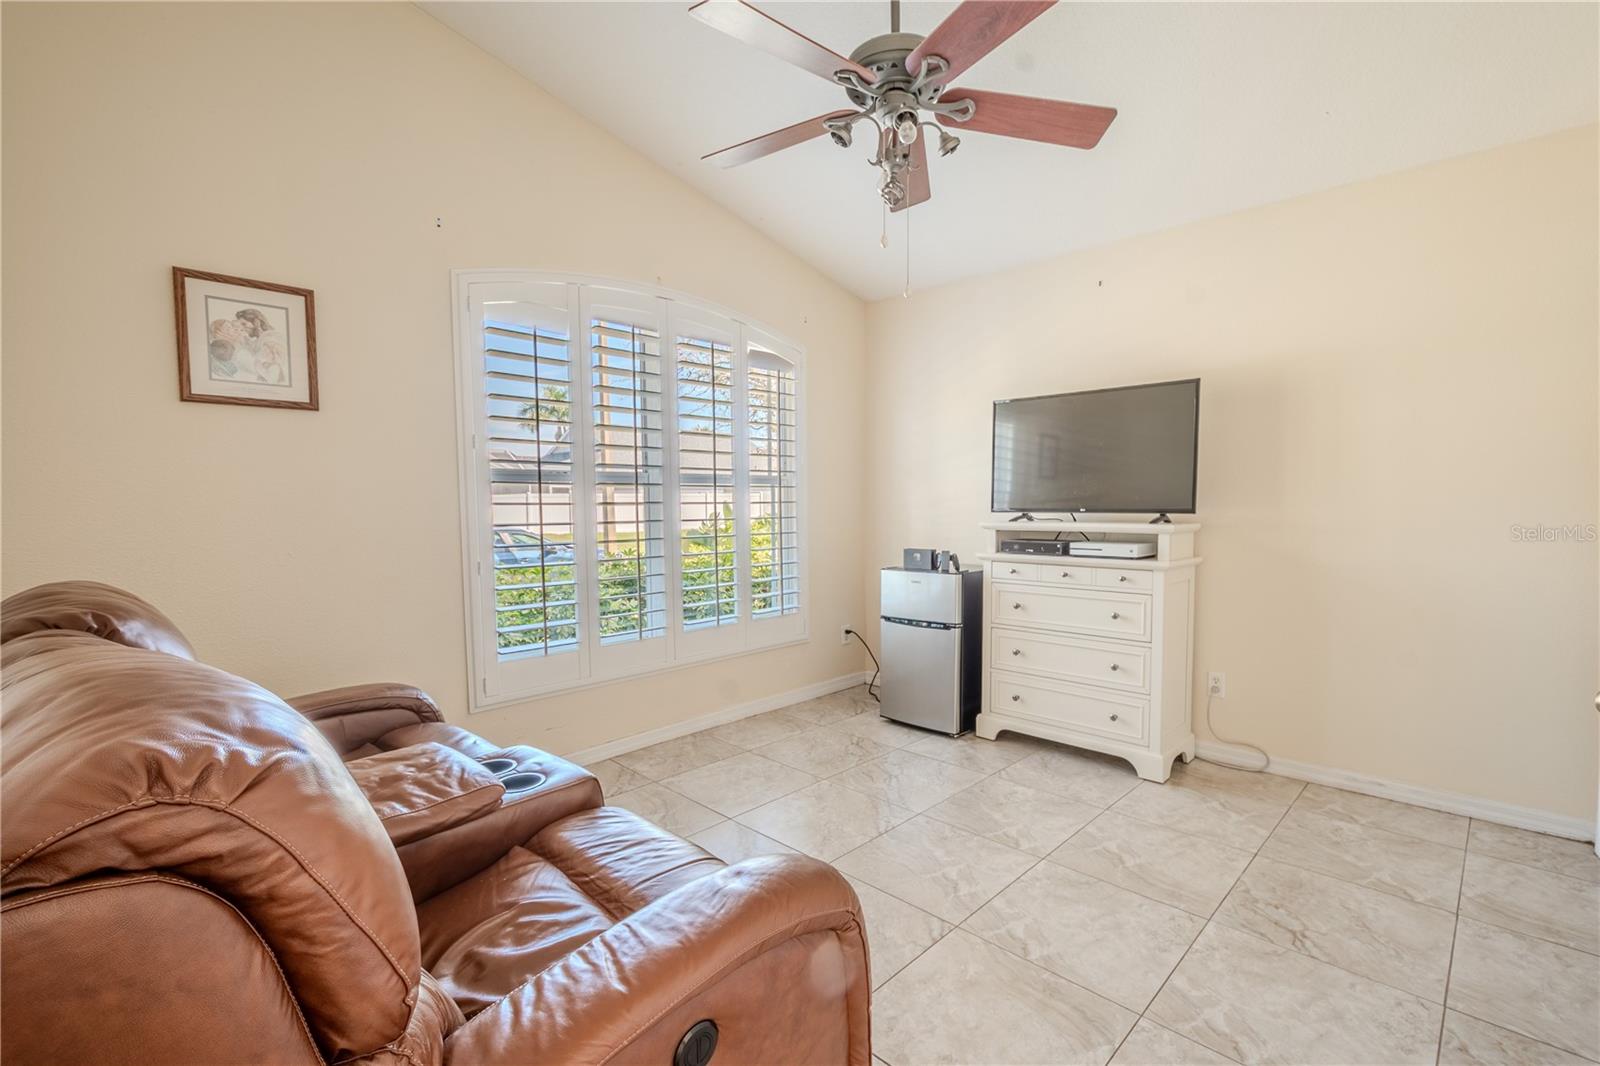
632 483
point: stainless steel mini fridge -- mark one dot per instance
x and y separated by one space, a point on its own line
932 635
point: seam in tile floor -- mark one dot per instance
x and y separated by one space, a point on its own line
1209 919
1206 794
1455 929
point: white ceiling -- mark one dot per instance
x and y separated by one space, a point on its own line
1221 107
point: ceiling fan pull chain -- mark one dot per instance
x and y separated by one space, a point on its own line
906 292
883 232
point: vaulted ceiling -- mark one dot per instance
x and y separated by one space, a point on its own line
1221 107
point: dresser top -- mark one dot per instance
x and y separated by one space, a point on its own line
1107 562
1156 529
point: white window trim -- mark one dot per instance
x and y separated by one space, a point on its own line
683 649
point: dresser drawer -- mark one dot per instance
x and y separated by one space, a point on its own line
1070 658
1014 571
1126 580
1095 613
1065 573
1107 713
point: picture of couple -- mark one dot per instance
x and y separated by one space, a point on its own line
248 345
242 341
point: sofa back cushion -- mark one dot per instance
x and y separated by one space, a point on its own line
90 607
118 758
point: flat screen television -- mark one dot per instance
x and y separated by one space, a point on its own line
1129 450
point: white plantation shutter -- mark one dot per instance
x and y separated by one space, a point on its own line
629 474
707 529
632 482
523 580
774 484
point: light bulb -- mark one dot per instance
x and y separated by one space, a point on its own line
905 127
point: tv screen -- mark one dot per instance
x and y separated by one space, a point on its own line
1109 451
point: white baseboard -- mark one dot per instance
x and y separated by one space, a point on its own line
1539 821
722 717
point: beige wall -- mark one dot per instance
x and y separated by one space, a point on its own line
315 145
1395 373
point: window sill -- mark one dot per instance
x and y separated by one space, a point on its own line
480 706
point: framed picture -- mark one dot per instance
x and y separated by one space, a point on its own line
243 341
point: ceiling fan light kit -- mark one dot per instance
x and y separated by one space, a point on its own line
894 79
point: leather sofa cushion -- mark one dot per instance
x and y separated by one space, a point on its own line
620 860
542 901
425 789
90 607
490 933
448 857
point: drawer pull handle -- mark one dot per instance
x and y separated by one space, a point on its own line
1115 668
1016 606
1122 577
1016 651
1113 718
1066 573
1115 616
1016 699
1012 570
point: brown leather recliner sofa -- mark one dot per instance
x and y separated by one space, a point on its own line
195 871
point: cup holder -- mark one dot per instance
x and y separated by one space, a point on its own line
499 766
523 782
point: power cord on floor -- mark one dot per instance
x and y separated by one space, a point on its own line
1266 760
876 669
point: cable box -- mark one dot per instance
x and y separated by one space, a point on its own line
1113 549
1033 547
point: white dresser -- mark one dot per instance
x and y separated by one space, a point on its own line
1093 652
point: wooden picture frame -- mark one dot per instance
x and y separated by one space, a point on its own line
258 341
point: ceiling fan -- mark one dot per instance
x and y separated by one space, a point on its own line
892 79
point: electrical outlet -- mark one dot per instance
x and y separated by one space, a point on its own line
844 634
1217 684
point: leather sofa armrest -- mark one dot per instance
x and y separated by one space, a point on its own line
356 715
444 859
426 789
773 951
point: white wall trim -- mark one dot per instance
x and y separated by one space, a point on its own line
722 717
1539 821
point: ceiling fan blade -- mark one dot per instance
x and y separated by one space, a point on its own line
776 141
1031 118
755 27
917 188
972 31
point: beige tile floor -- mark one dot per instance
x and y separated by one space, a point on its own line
1030 903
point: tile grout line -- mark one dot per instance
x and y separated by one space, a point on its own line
1526 1036
1347 881
1528 865
961 925
1207 920
1325 962
953 925
1100 995
1450 967
1208 923
1212 919
1454 912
